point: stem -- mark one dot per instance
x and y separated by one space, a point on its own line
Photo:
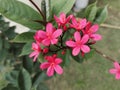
109 26
38 9
105 56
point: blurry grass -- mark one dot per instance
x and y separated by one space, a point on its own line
93 74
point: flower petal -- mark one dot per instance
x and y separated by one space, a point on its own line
75 51
50 71
68 18
44 65
41 34
49 28
74 21
58 69
94 28
46 42
96 37
85 48
62 17
58 60
70 43
116 65
77 36
56 19
54 41
57 33
113 71
83 23
117 76
84 39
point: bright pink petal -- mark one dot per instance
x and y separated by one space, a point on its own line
113 71
117 76
33 54
94 28
58 60
58 69
96 37
35 57
116 65
49 28
62 17
84 39
42 34
50 71
44 65
70 43
83 23
74 21
68 18
75 51
56 19
85 48
46 42
57 33
77 36
54 41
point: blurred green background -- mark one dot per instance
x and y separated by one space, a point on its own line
93 74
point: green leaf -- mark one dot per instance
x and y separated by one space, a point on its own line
20 13
77 58
101 15
91 11
24 80
65 57
40 78
24 37
28 64
3 54
12 77
1 43
90 54
10 87
58 6
26 49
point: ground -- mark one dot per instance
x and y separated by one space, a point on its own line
93 74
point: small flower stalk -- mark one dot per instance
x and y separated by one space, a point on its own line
73 34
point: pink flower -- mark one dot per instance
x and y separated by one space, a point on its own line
116 70
62 20
37 37
91 30
78 44
52 65
36 52
78 24
50 36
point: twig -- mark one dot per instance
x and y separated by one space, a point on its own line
105 56
109 26
38 9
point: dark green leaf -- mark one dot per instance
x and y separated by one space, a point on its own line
101 15
24 37
3 54
28 64
40 78
59 6
10 87
26 49
12 78
24 80
1 43
90 54
91 11
20 13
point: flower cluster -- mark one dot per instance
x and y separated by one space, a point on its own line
81 34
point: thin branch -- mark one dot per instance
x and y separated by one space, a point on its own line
105 56
37 9
110 26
